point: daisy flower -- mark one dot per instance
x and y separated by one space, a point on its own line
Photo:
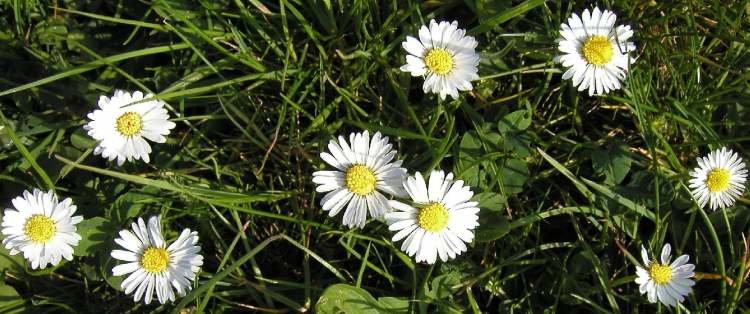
594 51
441 222
669 283
154 266
122 128
364 169
445 56
719 179
41 227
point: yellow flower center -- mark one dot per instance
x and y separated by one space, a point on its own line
597 50
360 180
439 61
129 124
661 274
155 260
433 217
717 180
39 228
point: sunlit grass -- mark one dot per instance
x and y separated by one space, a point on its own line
569 186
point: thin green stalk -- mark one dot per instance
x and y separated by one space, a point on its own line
423 289
719 252
737 287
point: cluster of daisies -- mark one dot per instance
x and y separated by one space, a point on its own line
437 218
434 216
43 228
595 53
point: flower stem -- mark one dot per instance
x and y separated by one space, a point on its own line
719 252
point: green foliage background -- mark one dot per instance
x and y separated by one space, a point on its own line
570 186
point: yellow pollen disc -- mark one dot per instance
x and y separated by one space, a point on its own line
717 180
439 61
39 228
661 274
155 260
433 217
129 124
360 180
597 50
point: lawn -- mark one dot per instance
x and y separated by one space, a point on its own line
570 187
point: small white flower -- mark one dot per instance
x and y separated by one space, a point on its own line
445 55
120 125
669 283
719 179
442 221
41 227
153 266
364 170
594 51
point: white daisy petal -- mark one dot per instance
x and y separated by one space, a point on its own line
41 228
644 255
435 186
364 168
432 230
719 179
590 48
123 269
680 261
666 252
155 267
665 282
442 54
121 127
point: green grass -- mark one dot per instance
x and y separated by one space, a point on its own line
570 186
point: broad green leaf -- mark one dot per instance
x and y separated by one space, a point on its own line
128 206
469 149
10 301
515 121
394 305
15 263
442 285
518 143
93 233
492 226
514 174
107 263
474 160
91 272
612 162
471 145
490 201
492 221
487 87
343 298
